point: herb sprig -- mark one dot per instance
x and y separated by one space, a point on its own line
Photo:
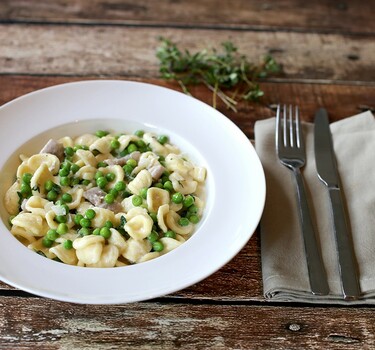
229 75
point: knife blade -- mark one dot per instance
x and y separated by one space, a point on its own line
328 173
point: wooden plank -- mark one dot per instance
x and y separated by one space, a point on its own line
35 323
240 279
348 17
123 51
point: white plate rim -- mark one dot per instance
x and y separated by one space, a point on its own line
245 229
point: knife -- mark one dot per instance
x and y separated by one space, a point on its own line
327 172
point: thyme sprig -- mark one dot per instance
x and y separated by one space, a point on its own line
229 75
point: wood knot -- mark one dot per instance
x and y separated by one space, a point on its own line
294 327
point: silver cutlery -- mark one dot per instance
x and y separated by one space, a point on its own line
328 174
291 152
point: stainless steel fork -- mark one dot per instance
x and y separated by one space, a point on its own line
291 152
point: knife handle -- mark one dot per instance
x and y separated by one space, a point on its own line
344 246
315 266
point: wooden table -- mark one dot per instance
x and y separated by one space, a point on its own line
327 50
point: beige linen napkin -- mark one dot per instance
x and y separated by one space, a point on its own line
284 268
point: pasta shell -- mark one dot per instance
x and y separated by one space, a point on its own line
172 219
135 249
67 256
185 185
117 240
139 227
142 180
87 157
108 258
30 222
11 199
169 244
162 212
103 144
86 140
156 197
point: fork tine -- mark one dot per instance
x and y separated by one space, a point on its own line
279 138
285 133
298 128
291 124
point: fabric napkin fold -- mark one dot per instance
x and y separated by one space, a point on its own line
284 270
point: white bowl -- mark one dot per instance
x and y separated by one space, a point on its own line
235 186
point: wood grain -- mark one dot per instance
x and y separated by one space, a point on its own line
341 100
128 51
298 15
29 323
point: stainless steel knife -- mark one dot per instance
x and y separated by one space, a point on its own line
328 174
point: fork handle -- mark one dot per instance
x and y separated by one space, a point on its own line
315 266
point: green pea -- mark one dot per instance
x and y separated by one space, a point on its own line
139 133
90 213
157 246
183 221
153 236
162 139
68 244
193 209
109 198
85 222
74 181
170 234
61 218
62 229
26 178
102 165
66 165
115 144
132 162
48 185
96 232
102 182
105 232
52 235
137 201
114 192
108 224
67 197
120 186
78 218
177 198
47 242
140 144
132 148
74 168
188 201
110 177
159 185
128 169
168 186
64 181
101 133
52 195
84 231
69 151
194 219
64 172
98 174
86 182
143 192
25 189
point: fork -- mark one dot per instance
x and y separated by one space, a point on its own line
291 152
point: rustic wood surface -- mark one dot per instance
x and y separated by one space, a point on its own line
327 52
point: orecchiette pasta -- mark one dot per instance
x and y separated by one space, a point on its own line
104 200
